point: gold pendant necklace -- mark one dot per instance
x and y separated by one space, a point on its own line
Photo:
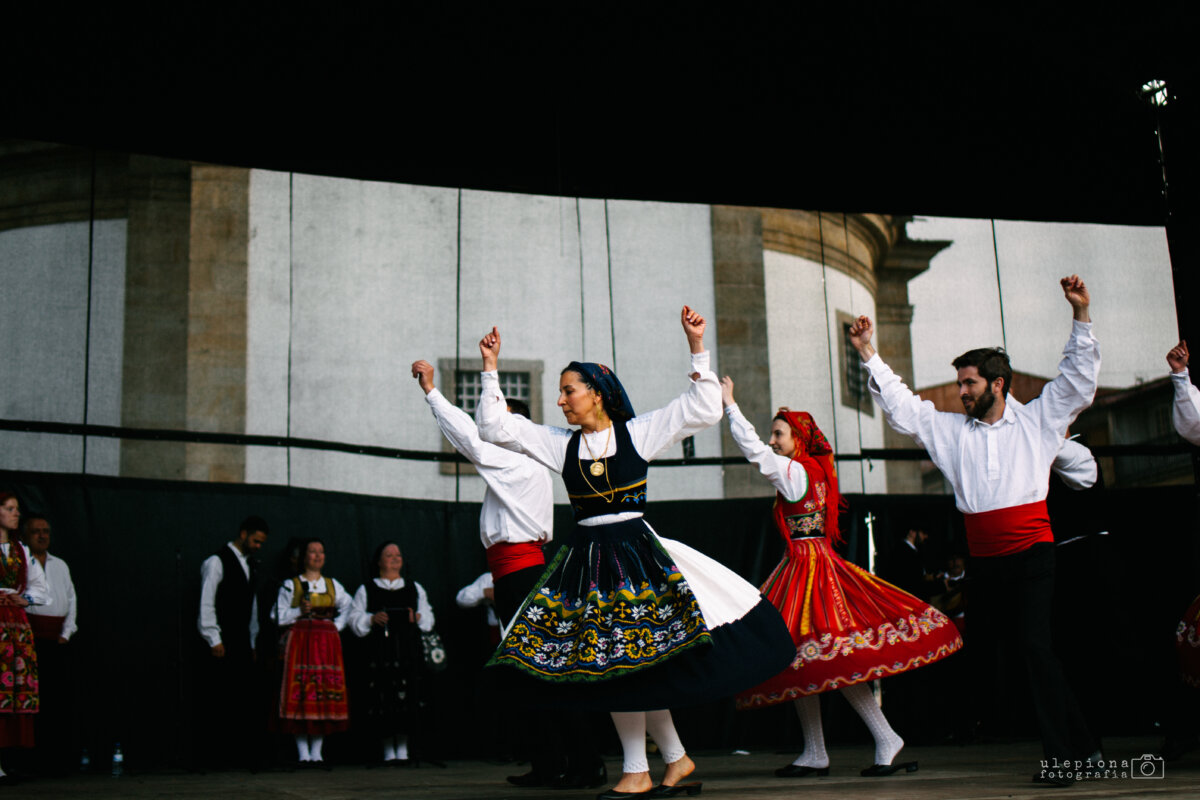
597 468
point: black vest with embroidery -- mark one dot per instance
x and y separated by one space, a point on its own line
234 600
622 486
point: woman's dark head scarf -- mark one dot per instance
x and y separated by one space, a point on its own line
603 381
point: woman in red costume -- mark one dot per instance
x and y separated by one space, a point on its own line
22 582
849 627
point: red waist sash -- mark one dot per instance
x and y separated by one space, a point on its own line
45 626
505 558
1005 531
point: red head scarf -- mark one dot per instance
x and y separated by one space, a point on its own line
816 456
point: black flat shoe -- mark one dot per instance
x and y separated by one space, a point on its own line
613 794
883 770
797 771
690 789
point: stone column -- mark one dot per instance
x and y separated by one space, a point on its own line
905 260
741 331
216 324
154 371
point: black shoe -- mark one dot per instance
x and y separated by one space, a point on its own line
797 771
883 770
613 794
689 789
1054 779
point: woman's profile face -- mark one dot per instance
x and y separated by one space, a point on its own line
782 441
390 559
314 556
577 401
10 515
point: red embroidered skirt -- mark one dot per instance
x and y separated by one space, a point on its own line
18 678
313 693
1187 644
848 626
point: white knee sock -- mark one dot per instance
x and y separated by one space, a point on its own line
401 746
302 747
808 709
631 730
662 731
887 743
389 749
314 745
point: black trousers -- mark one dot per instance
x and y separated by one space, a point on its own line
1010 607
554 742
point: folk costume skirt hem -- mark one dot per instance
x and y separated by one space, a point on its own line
847 625
619 623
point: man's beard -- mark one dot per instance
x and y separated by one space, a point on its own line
982 406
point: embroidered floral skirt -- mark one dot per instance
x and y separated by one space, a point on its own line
1187 644
18 678
848 626
313 693
618 622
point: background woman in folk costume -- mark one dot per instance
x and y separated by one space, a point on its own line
624 620
22 583
849 627
313 700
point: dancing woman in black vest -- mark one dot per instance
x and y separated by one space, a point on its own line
622 619
390 612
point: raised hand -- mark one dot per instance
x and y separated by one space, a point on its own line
423 372
1077 295
1177 358
727 391
489 348
693 326
860 337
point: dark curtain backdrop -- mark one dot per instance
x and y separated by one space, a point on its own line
135 548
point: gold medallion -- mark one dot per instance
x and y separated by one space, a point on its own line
597 468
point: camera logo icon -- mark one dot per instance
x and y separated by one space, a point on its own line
1147 766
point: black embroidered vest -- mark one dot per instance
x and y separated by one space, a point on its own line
621 488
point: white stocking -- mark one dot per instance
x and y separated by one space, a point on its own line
389 749
302 747
402 746
808 709
631 730
314 744
662 730
887 743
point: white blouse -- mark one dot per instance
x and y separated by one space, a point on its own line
286 615
652 433
37 591
360 617
789 478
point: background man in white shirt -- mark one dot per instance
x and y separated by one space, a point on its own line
53 625
228 623
998 459
515 523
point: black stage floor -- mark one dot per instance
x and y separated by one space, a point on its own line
973 772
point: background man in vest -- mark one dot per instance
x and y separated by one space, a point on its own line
228 622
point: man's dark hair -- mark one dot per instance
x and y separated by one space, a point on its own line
518 407
992 363
253 524
28 518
